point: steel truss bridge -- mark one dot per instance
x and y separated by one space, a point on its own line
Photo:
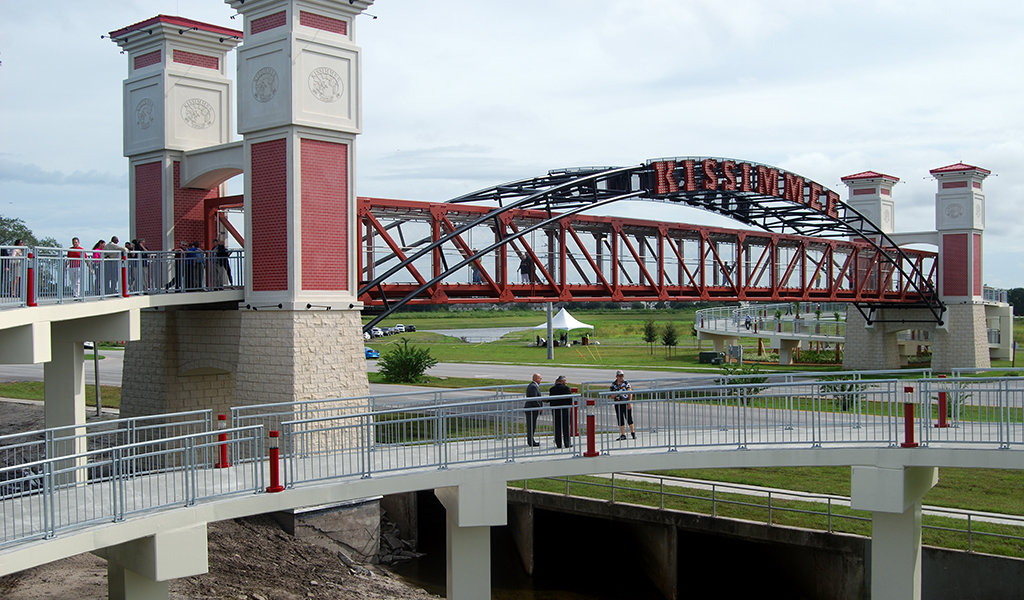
530 241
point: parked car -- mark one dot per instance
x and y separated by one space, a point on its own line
376 332
366 335
371 353
410 328
399 328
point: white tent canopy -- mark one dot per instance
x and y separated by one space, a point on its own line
564 321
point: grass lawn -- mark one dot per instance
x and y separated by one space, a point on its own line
619 333
33 390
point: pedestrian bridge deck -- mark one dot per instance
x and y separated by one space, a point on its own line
64 492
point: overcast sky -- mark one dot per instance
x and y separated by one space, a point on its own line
464 94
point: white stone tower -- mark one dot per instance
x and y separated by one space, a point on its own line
960 223
871 195
177 97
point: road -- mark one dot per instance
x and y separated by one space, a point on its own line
113 363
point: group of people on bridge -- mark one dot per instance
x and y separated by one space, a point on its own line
560 395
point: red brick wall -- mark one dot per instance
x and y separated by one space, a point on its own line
144 60
196 60
324 215
321 22
149 221
954 265
268 22
977 265
188 211
269 236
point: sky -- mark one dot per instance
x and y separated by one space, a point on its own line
465 94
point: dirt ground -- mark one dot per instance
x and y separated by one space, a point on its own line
250 559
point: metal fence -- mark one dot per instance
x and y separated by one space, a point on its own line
713 498
58 275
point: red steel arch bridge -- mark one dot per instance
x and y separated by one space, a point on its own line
531 241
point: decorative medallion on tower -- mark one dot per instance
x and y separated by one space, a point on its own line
198 113
326 84
264 85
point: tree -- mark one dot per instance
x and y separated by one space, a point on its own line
1016 298
13 229
650 333
405 364
669 336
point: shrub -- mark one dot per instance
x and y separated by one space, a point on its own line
747 374
405 364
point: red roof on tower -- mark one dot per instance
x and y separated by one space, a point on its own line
959 167
870 175
176 21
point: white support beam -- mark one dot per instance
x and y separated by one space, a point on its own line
140 569
472 509
118 326
893 495
25 345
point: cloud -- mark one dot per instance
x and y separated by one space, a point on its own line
11 171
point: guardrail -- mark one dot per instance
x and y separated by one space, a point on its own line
670 491
98 474
32 275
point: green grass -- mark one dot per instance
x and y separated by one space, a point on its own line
33 390
810 515
454 382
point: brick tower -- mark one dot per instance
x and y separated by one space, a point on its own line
299 112
177 98
871 195
960 222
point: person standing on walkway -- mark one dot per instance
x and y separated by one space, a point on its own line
74 269
532 409
623 405
560 413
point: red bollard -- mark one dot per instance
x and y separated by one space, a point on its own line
275 459
591 427
222 423
30 282
942 407
124 279
908 421
574 430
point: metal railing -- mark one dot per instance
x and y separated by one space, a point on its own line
775 504
996 295
793 319
58 479
56 275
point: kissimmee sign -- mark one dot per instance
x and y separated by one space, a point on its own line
675 179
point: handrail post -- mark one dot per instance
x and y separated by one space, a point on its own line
591 426
222 422
30 282
275 463
124 277
942 407
908 420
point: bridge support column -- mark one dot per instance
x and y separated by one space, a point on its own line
472 510
141 569
893 495
786 348
869 347
64 394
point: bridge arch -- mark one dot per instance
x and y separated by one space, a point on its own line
755 194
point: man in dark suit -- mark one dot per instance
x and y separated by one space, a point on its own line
532 409
560 413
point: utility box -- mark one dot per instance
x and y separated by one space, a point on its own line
711 357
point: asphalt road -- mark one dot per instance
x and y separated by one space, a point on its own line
113 363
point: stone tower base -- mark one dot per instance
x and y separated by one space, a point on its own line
216 359
961 343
